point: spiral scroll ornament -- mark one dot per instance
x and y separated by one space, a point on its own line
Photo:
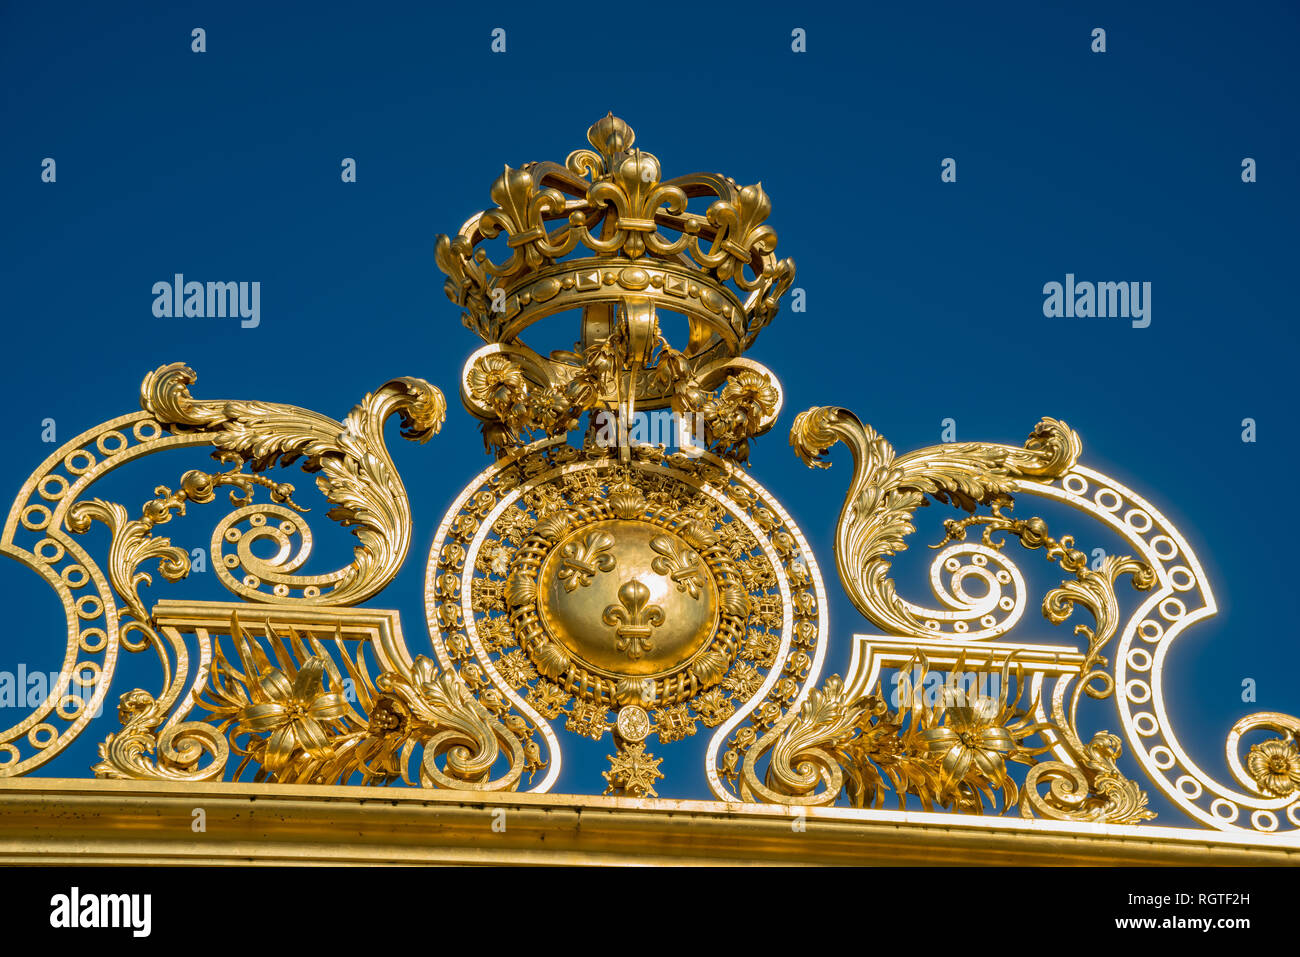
103 605
1083 782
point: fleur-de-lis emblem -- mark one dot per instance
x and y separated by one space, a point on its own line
522 206
740 219
580 561
677 562
634 621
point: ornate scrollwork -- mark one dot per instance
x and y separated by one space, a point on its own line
877 515
49 515
1093 588
953 752
519 396
177 750
674 588
886 490
357 475
1087 785
291 721
597 579
1084 782
1094 790
133 543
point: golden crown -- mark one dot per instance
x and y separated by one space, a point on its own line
717 266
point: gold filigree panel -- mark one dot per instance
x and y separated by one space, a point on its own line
877 517
640 599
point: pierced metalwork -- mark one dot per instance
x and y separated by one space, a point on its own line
595 581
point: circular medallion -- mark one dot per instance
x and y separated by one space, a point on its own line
607 593
628 598
564 584
633 723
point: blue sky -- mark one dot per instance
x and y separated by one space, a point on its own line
924 298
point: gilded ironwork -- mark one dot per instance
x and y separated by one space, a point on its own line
297 704
602 577
719 268
49 515
1084 782
671 626
632 771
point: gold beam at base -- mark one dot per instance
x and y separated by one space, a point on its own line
62 821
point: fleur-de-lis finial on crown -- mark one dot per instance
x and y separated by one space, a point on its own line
718 266
610 136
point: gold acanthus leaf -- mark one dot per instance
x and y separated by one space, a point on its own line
886 490
357 473
141 752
